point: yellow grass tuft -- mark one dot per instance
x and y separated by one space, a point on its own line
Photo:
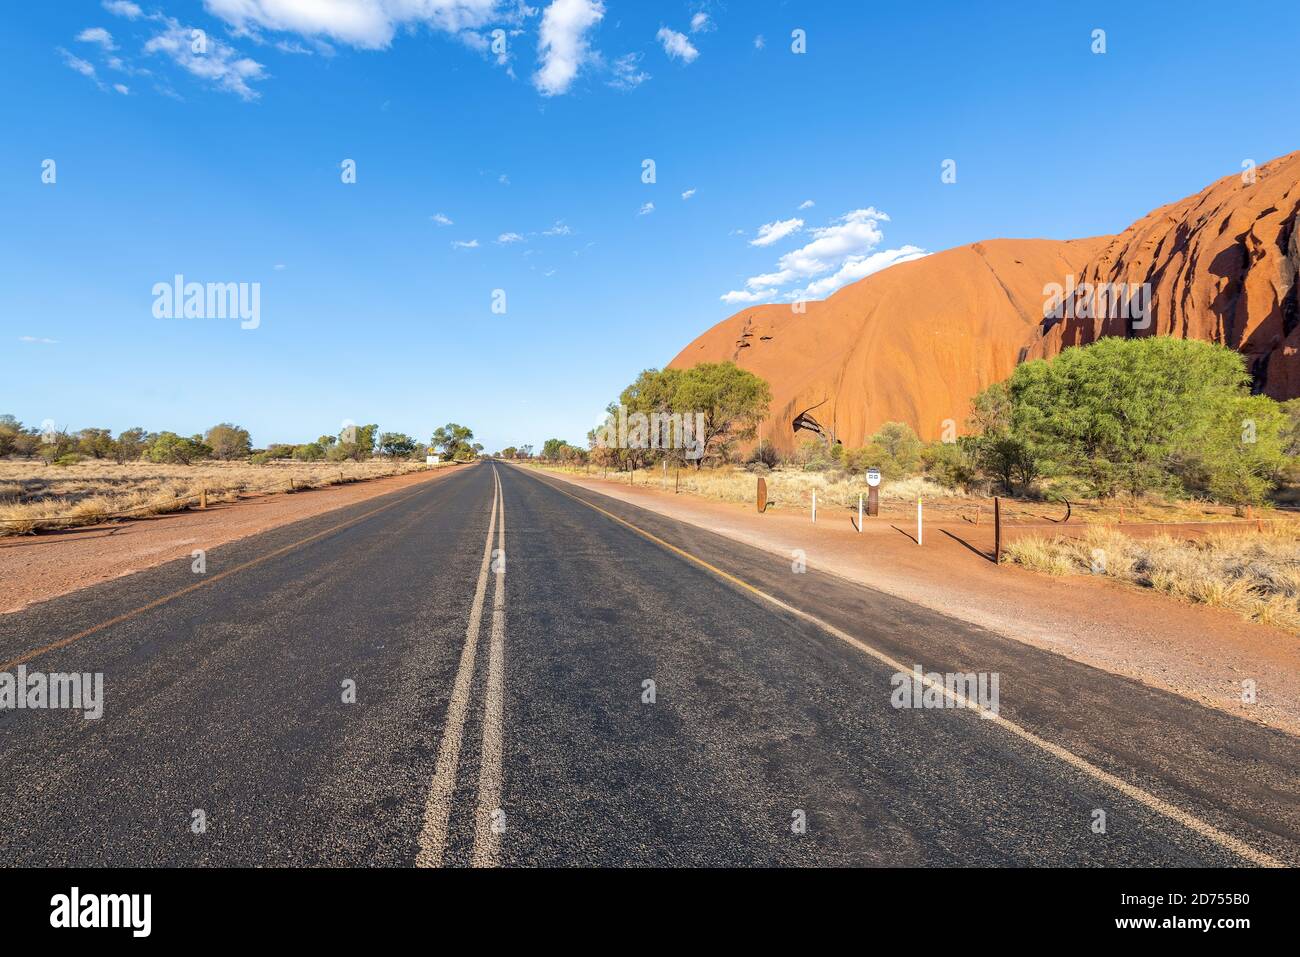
1255 574
34 495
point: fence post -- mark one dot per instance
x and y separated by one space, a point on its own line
997 531
918 521
859 513
814 514
203 498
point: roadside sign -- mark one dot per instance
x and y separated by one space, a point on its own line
873 477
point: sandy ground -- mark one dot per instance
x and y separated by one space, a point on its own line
1201 653
39 567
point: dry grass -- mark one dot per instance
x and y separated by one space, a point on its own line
792 488
1255 574
786 488
33 495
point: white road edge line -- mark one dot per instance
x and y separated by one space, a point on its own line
437 808
487 829
1143 797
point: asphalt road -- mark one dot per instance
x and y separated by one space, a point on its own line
500 660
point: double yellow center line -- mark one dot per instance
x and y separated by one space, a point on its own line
489 819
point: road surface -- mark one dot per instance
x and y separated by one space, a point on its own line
458 674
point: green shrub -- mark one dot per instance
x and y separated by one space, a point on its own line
1156 415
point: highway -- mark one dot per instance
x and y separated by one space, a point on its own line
501 668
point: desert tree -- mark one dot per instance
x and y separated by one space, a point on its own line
397 445
453 440
228 442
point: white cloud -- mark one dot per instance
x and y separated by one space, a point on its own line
123 66
838 254
646 209
701 22
628 73
123 8
82 66
769 233
503 179
464 244
280 267
562 43
507 238
763 280
441 220
368 24
78 64
739 295
41 340
559 229
688 194
855 268
759 42
677 45
293 47
97 35
807 204
121 88
853 234
221 64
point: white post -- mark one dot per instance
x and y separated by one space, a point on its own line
859 513
918 521
814 507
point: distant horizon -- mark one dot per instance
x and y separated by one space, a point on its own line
515 164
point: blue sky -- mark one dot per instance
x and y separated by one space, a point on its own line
224 166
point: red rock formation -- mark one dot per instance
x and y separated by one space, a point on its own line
916 341
1222 267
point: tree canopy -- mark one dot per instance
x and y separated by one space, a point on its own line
1135 415
453 440
693 414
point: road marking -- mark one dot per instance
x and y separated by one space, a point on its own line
1157 804
487 840
437 808
126 616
